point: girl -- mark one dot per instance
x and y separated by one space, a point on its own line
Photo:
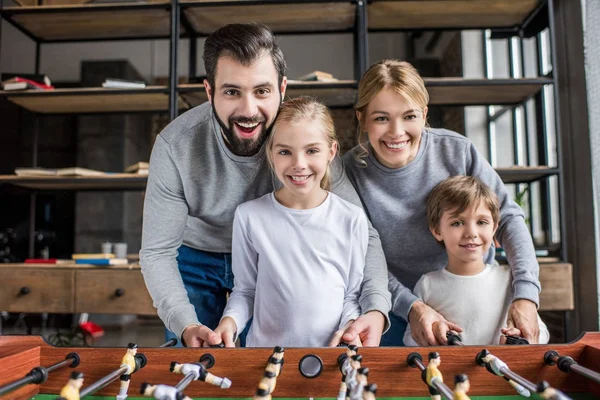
393 174
298 253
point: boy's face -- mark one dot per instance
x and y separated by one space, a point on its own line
466 236
246 100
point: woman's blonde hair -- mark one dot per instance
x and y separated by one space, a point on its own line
301 109
401 77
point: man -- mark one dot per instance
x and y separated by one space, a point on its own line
207 162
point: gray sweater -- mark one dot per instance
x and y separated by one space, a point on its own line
194 186
395 201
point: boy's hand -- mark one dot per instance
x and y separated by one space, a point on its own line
199 335
428 327
367 328
226 331
337 337
523 316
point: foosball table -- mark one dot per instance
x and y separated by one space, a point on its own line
32 369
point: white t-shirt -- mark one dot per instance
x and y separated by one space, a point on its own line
477 303
297 272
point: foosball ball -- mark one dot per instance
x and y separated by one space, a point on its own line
32 369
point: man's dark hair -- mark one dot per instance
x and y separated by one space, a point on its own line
244 43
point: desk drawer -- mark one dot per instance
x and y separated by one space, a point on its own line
112 292
36 290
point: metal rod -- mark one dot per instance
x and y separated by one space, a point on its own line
103 382
519 379
361 40
440 386
72 360
588 373
173 51
37 56
185 382
557 121
169 343
37 375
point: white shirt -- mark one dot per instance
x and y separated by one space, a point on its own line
298 272
477 303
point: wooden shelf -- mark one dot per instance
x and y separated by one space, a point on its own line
525 174
333 94
471 92
138 182
108 182
442 91
206 16
93 21
444 14
93 100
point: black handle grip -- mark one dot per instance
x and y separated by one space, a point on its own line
119 292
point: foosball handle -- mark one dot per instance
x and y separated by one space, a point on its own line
454 338
516 340
412 357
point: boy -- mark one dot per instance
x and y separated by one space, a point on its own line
463 216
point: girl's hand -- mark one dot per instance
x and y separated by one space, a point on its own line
227 330
337 336
428 327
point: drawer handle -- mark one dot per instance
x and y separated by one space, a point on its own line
24 290
119 292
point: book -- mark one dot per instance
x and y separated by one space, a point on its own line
70 171
123 84
80 256
102 261
53 261
39 78
317 76
18 83
138 168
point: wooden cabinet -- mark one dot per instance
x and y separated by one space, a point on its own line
36 289
112 292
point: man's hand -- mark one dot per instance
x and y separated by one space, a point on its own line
226 331
337 336
428 327
522 315
367 328
198 335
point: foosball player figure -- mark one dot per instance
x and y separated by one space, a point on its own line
277 359
362 377
432 373
369 392
162 392
71 390
128 361
261 394
268 381
346 367
545 391
461 387
201 373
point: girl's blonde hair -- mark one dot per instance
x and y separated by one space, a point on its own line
301 109
401 77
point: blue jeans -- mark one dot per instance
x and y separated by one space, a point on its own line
208 279
395 335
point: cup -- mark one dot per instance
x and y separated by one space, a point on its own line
120 250
107 247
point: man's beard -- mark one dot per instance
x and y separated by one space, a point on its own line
237 145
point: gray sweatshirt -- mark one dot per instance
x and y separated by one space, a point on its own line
194 186
395 201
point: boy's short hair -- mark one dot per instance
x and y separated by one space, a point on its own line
460 192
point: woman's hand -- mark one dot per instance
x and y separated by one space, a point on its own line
428 327
522 315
